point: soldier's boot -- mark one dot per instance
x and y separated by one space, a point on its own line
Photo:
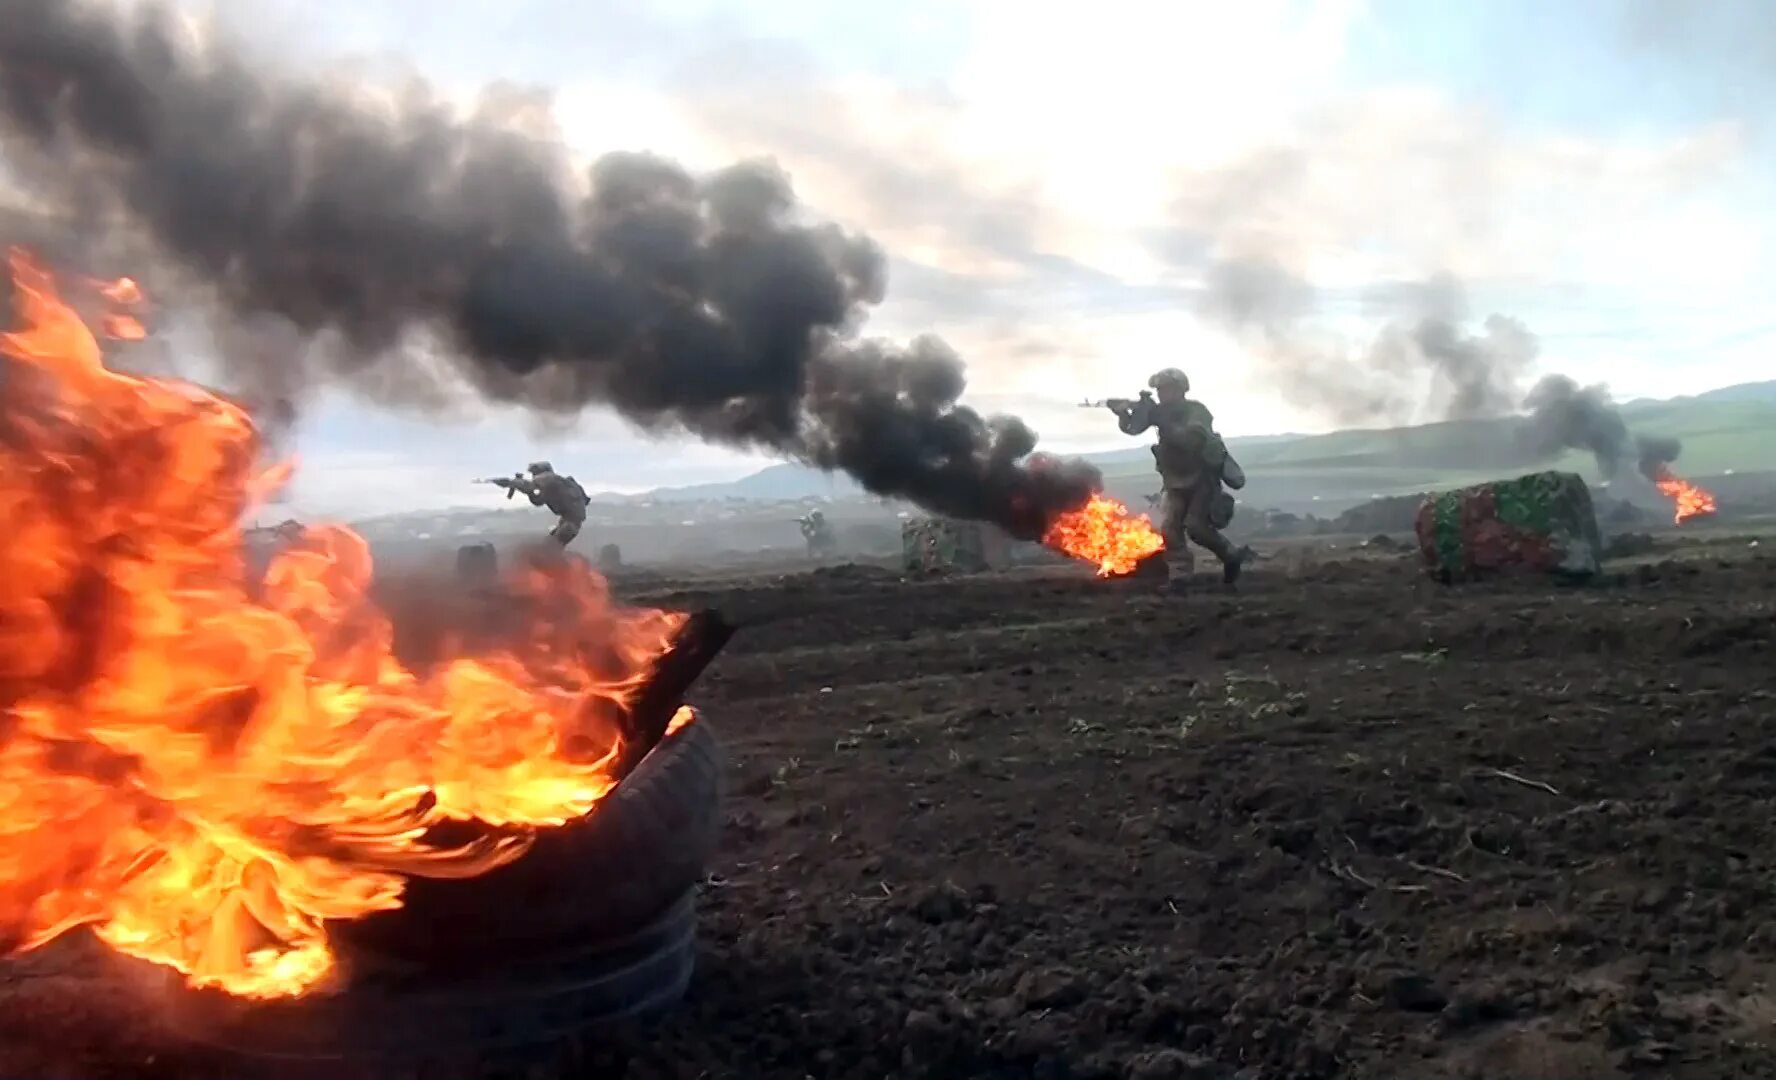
1234 563
1233 559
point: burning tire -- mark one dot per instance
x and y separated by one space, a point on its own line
423 1016
601 878
595 924
477 564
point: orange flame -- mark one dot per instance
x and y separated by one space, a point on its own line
1104 532
1690 501
126 298
123 327
206 768
124 291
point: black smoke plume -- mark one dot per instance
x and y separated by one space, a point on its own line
388 231
1566 416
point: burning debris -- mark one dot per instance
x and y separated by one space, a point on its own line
1688 500
1101 533
1565 416
706 305
206 769
1104 533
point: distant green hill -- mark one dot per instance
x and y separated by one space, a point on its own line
773 482
1730 429
1756 391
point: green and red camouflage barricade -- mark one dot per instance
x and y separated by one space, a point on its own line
938 545
1542 523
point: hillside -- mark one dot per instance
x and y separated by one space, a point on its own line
773 482
1732 429
1758 391
1722 433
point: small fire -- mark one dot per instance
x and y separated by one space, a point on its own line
207 768
1690 501
1104 532
121 321
124 291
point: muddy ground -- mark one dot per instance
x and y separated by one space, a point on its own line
1343 823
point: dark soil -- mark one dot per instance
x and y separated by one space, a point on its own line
1343 823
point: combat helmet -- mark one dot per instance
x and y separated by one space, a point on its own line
1170 378
538 467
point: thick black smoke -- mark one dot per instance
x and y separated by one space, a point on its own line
1566 416
387 230
1423 346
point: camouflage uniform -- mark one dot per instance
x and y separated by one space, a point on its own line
561 494
817 533
1192 462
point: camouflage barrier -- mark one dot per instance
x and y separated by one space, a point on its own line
1542 523
932 545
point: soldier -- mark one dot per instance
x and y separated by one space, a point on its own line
1193 465
817 533
563 495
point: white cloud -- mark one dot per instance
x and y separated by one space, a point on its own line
1399 183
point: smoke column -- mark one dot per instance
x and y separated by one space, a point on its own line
1470 375
391 231
1565 416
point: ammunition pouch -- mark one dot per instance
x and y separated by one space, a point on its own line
1221 463
1221 509
1213 450
1232 475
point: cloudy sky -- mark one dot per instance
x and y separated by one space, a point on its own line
1059 185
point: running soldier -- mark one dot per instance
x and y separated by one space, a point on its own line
1193 465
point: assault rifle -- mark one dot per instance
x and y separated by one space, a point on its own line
512 484
1133 415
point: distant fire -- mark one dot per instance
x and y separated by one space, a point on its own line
1690 501
1103 532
